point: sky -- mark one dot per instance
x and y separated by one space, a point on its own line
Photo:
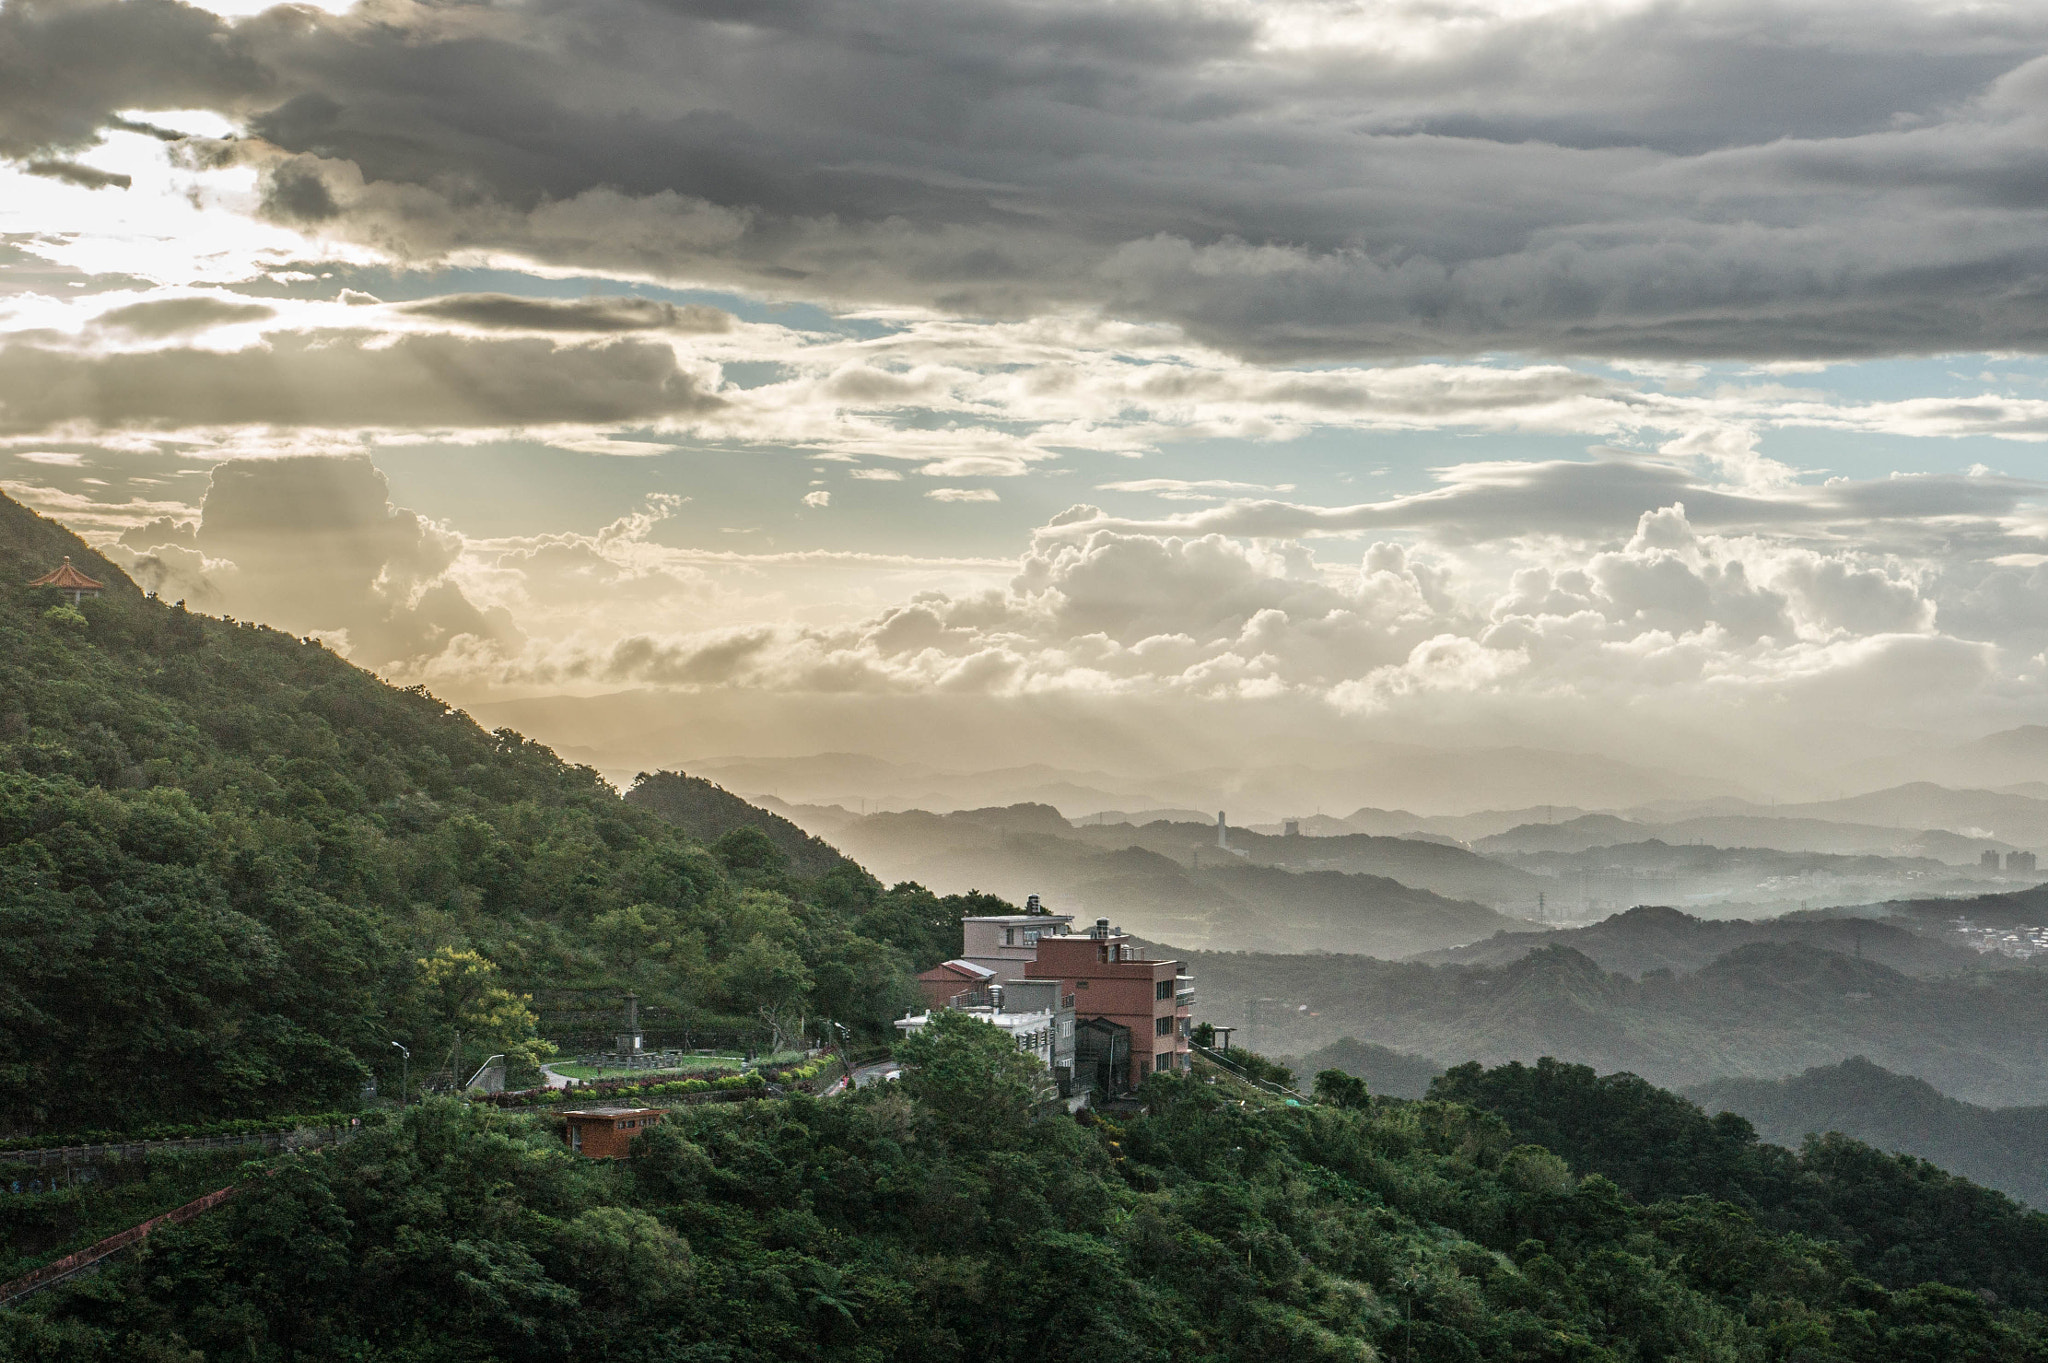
1123 384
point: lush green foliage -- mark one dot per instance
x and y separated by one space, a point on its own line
2003 1148
60 1210
1761 1008
709 812
1901 1220
971 1079
238 868
872 1228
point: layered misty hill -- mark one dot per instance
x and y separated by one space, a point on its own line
2004 1148
1156 881
1727 881
1766 1008
1649 938
1818 836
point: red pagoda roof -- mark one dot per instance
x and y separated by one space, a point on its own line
69 578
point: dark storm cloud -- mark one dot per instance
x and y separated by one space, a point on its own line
85 177
344 380
1284 179
66 66
509 312
160 317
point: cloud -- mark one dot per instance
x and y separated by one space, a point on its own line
1635 180
820 498
66 68
158 318
876 475
342 381
1503 499
1184 490
963 494
1665 620
85 177
314 545
509 312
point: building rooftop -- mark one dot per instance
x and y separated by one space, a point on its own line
1022 919
979 972
609 1113
67 577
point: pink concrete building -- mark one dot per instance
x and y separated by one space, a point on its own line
1111 978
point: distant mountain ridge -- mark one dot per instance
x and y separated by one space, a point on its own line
1171 882
1764 1008
1650 937
2002 1148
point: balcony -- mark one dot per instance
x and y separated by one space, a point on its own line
1184 991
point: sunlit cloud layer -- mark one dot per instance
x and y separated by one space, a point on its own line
1371 364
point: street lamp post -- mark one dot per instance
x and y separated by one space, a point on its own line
404 1073
845 1061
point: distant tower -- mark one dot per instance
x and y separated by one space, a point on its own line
629 1040
1989 860
1222 830
1291 828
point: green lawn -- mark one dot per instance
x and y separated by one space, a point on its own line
690 1065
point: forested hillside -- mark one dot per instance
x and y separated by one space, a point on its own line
942 1224
234 870
2004 1148
708 812
1763 1008
1899 1219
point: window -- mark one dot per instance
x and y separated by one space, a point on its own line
1164 1060
1163 989
1009 937
1162 1026
576 1136
1031 937
1187 1026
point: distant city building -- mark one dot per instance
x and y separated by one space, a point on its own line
1291 828
1222 831
2019 861
1989 861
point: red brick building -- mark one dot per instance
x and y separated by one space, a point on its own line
605 1132
1110 978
